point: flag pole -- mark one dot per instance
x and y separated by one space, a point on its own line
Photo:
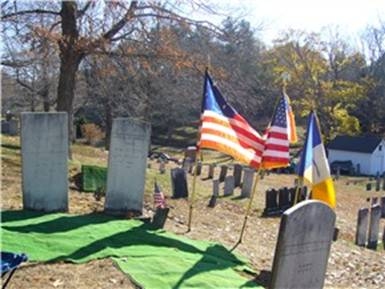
193 191
260 171
299 185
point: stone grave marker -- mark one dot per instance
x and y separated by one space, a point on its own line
362 226
374 200
368 186
210 174
9 127
283 199
44 152
374 226
228 188
179 183
271 204
214 196
187 163
378 182
247 183
127 166
222 173
302 250
199 168
382 204
237 175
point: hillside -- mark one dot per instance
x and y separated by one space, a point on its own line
349 266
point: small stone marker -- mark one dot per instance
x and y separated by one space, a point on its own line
368 186
187 164
382 204
283 199
222 173
362 226
374 201
247 183
374 227
214 196
9 127
127 166
237 175
160 218
228 188
271 204
199 168
378 183
179 183
304 241
211 171
44 151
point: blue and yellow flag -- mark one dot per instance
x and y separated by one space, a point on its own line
314 167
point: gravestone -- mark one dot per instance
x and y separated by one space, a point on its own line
362 226
382 204
228 188
247 183
271 204
283 199
179 183
378 183
292 192
127 166
9 127
44 151
374 201
214 196
160 218
199 168
302 250
237 175
222 173
368 186
187 164
374 226
211 171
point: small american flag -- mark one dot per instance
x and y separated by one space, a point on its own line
223 129
276 153
159 199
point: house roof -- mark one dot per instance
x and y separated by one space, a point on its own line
362 144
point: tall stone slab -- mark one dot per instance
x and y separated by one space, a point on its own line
129 146
222 173
362 226
247 183
44 150
228 188
382 204
374 227
179 183
237 173
304 241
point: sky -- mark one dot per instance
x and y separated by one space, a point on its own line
350 16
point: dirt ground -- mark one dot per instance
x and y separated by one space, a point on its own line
349 266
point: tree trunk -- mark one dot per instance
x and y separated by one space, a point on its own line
70 57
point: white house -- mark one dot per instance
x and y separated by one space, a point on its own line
365 152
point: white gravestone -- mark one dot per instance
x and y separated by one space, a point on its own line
127 166
304 241
44 150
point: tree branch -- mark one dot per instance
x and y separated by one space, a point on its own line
26 12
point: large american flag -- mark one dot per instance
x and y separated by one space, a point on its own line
223 129
159 199
276 153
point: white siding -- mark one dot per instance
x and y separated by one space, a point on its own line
378 159
357 158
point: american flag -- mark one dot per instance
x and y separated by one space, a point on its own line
226 131
159 199
276 153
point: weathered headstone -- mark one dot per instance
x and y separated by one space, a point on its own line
292 192
283 199
247 183
271 204
362 226
187 163
368 186
382 204
378 183
44 149
228 188
214 196
374 226
222 173
303 246
179 183
237 175
160 218
9 127
374 201
127 166
210 174
199 168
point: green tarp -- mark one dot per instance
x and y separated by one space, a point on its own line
94 178
152 258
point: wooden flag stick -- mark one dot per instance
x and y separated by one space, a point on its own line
249 207
193 191
299 186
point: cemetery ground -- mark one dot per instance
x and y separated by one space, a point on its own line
349 266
